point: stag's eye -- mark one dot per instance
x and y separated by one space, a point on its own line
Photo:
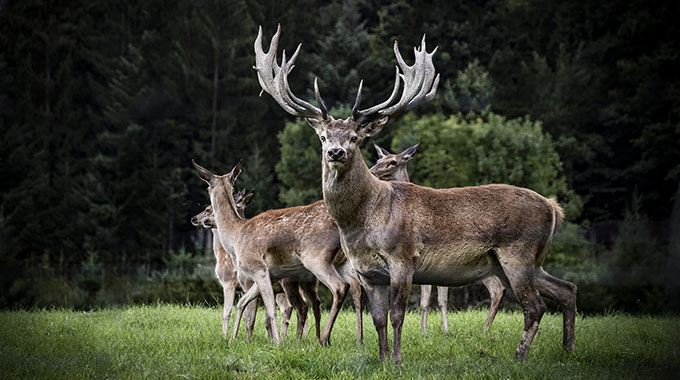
322 138
392 163
353 139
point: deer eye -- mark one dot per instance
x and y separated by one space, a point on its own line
353 139
392 163
322 138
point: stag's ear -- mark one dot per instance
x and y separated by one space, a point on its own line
316 124
372 128
409 152
204 173
234 173
248 198
381 152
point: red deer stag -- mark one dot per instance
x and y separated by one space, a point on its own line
392 167
398 233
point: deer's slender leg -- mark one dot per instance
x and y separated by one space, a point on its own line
521 277
355 291
229 291
327 274
263 282
400 287
442 300
564 292
286 308
312 290
349 275
250 313
496 292
250 295
292 293
378 299
425 291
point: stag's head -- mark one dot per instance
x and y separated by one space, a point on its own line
392 167
206 218
220 187
341 138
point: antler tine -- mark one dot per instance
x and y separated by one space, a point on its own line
274 78
420 85
362 115
420 82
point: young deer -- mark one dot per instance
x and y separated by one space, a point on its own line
398 233
392 167
228 275
298 242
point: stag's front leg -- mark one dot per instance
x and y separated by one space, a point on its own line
378 299
400 289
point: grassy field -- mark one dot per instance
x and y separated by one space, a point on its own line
170 342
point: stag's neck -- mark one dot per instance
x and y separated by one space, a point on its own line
228 221
350 193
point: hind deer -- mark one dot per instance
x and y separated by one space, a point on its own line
398 233
392 167
229 277
298 242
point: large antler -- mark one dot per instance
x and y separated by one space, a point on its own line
420 85
274 79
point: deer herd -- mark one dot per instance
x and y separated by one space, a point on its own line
374 232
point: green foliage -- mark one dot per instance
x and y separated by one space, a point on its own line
476 150
300 165
162 341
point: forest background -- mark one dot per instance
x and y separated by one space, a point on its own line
104 104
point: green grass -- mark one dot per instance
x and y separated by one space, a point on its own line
170 342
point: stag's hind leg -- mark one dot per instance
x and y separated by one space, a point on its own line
564 292
520 272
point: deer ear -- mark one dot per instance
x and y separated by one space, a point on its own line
409 152
204 173
372 128
248 198
234 173
381 152
316 124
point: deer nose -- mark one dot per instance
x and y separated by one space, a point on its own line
336 153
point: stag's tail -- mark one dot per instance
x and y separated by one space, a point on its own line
556 222
557 217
